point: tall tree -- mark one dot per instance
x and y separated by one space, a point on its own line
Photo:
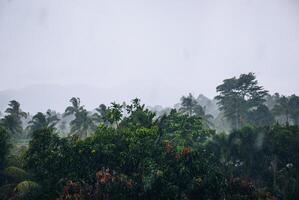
13 120
83 123
238 96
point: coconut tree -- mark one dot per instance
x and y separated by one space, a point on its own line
13 120
138 115
41 120
98 117
74 108
82 123
113 114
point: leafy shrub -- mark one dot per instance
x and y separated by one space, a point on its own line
15 174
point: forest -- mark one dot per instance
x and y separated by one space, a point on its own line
241 145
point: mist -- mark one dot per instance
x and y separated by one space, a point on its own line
156 50
112 99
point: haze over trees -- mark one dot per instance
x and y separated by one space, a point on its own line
13 120
240 96
246 148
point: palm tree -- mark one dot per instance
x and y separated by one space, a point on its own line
52 117
82 123
40 121
138 115
13 121
113 114
100 113
74 108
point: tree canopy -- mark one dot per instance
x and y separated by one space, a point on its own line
238 96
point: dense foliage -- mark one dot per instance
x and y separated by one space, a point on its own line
130 152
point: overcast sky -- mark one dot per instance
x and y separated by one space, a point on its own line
159 49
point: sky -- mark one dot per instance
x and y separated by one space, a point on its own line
157 50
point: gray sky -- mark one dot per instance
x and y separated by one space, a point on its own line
154 49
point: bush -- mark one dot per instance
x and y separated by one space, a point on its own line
14 174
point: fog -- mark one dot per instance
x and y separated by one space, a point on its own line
157 50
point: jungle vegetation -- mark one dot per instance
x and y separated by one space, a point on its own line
247 148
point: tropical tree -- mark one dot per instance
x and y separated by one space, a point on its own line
238 96
128 160
271 100
260 116
190 106
41 121
294 112
82 124
287 107
282 108
183 128
74 108
113 114
13 120
62 126
206 118
52 116
101 110
138 115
